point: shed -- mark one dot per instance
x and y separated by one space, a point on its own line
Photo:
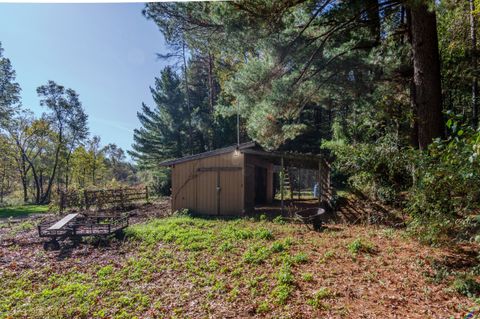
235 179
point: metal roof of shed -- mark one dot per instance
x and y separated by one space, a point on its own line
208 154
253 149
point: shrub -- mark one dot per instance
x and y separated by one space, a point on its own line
263 307
317 300
281 293
446 185
264 234
256 254
285 275
279 220
359 245
308 277
380 169
437 187
278 247
300 258
466 285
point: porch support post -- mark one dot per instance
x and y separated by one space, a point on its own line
299 189
329 183
319 181
282 180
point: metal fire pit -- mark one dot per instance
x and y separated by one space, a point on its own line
311 216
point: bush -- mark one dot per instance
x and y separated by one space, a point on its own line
317 300
380 170
308 277
466 285
264 234
159 181
438 187
446 185
279 220
256 254
360 246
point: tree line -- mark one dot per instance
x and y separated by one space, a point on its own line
43 155
388 88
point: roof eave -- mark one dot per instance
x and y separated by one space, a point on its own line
220 151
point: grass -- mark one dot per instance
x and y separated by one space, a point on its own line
22 211
216 256
187 267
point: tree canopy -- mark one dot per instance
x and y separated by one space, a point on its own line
378 85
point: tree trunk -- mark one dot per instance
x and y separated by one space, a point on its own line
23 176
94 168
67 171
3 188
41 184
66 181
187 95
426 65
414 127
211 83
35 176
372 10
211 98
38 186
473 37
413 99
46 195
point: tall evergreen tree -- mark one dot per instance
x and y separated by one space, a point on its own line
282 60
164 128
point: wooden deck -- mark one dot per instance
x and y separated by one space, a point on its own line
275 207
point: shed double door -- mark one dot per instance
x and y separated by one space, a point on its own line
219 191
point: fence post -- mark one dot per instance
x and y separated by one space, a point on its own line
146 193
85 199
122 199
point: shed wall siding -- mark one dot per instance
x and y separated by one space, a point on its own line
197 190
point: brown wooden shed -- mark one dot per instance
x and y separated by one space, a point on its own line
233 180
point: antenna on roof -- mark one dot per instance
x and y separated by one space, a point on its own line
238 126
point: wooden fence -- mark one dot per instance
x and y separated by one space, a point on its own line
101 199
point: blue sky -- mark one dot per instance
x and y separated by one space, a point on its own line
105 52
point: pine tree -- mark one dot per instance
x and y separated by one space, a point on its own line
164 129
427 80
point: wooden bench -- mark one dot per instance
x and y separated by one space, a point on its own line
62 222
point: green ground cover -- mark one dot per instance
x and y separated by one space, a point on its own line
22 211
187 267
